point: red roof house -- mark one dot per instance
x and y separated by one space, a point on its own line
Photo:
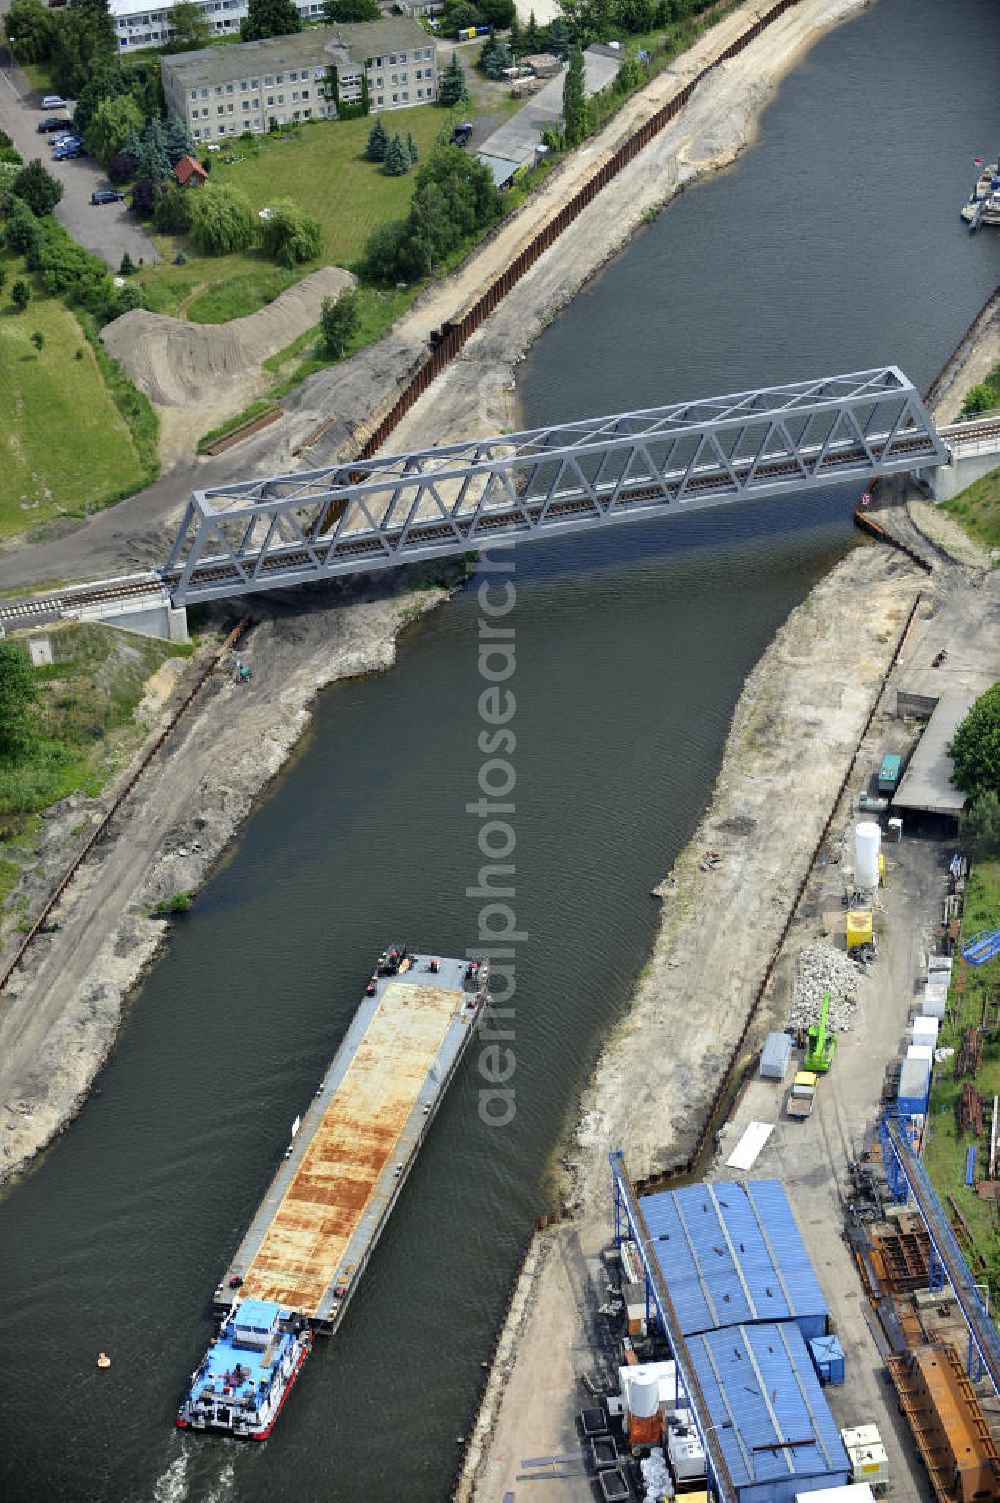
189 172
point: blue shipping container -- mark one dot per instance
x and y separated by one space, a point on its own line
828 1358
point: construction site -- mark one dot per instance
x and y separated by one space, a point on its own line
802 1306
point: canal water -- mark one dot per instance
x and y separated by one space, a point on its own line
833 244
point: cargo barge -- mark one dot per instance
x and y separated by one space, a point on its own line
306 1248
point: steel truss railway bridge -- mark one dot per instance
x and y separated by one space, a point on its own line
358 515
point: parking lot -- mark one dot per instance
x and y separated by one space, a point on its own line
108 230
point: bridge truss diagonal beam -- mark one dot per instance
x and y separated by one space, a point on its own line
279 530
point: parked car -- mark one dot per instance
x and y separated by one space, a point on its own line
460 135
54 102
107 196
65 138
54 122
68 152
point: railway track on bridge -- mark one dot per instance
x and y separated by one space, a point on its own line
36 610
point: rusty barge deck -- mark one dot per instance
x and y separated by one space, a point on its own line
315 1229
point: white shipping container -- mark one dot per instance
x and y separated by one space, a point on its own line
934 1003
921 1051
925 1030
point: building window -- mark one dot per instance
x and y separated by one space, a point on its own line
194 93
244 86
196 133
230 108
246 105
392 58
279 78
395 98
268 81
220 109
255 83
380 99
229 88
305 95
222 130
406 97
270 98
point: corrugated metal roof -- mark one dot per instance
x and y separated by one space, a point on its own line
768 1411
731 1254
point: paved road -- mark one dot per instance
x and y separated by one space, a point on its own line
109 230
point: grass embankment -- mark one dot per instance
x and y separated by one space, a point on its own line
66 447
973 993
86 726
977 510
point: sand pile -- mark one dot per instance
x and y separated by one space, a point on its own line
178 364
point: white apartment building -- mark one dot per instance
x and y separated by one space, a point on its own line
139 25
224 91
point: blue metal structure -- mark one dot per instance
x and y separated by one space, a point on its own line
731 1254
769 1412
982 947
905 1173
273 531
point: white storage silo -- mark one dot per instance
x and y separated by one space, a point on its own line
641 1393
867 844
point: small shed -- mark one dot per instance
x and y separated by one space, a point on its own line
775 1055
502 169
828 1358
190 173
768 1412
731 1253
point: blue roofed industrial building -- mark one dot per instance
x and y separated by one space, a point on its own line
731 1254
768 1412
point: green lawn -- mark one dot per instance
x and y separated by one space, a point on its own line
944 1153
977 509
65 448
325 170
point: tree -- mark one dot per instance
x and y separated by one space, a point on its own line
411 148
83 43
38 188
397 158
111 125
497 13
378 140
560 40
452 90
221 220
533 38
494 58
269 18
122 167
153 159
335 11
630 75
461 16
21 232
975 749
172 210
339 322
146 194
981 398
454 196
291 235
574 100
981 825
20 296
18 700
38 340
29 28
177 141
126 266
189 30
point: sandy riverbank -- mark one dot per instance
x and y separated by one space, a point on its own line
59 1017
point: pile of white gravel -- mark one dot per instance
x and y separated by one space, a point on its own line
823 969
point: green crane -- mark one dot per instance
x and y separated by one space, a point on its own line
821 1043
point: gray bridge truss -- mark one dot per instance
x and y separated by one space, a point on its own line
408 508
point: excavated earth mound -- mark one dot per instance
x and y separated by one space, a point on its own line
178 364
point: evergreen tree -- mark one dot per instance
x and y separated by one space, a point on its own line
378 140
516 39
494 58
397 158
153 160
452 90
133 145
560 40
177 140
411 147
20 296
534 41
574 100
269 18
